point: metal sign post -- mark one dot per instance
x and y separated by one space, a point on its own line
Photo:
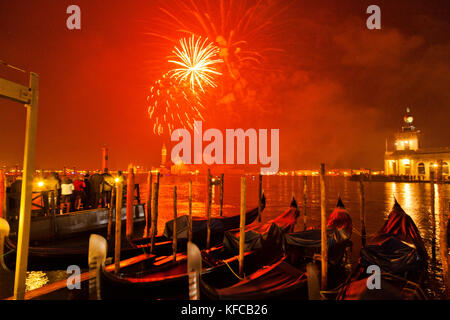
28 96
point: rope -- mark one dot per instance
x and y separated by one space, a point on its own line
359 233
416 287
226 263
8 252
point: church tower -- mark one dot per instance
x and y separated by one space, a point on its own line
409 137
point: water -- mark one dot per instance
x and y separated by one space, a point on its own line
415 198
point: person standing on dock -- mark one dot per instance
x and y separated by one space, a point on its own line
80 193
87 192
67 189
54 184
108 184
15 192
96 186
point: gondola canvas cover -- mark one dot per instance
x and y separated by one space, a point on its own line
398 246
217 224
258 235
279 279
339 229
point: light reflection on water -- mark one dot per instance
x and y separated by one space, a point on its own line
415 198
36 279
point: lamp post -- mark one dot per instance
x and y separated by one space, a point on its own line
28 96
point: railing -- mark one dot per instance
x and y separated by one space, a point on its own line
45 203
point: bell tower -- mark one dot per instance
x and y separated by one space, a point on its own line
409 137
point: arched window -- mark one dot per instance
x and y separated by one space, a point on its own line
407 169
421 168
444 168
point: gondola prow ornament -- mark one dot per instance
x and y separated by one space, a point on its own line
98 248
4 232
194 269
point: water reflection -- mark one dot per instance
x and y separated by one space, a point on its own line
36 279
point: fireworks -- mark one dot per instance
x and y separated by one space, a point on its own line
244 39
172 106
196 63
246 32
174 101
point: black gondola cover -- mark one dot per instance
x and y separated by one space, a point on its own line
279 280
399 251
339 230
217 224
397 247
259 235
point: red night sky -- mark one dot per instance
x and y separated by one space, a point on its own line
338 91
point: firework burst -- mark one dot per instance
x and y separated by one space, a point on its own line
196 63
172 106
247 33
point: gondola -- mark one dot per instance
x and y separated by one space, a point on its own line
167 279
74 251
399 251
286 277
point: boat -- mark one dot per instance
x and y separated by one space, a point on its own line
74 224
399 252
58 255
286 277
164 278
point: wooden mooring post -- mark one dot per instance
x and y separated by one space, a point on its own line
305 190
362 213
110 216
130 199
174 231
2 194
29 96
323 224
148 199
208 211
221 194
242 225
444 214
118 236
190 213
154 212
433 218
259 196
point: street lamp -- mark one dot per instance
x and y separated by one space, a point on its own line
28 96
